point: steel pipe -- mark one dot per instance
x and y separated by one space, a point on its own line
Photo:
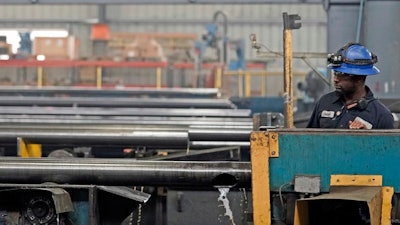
134 102
150 138
96 111
87 128
44 120
125 119
12 2
212 144
237 129
106 122
124 123
117 135
124 172
140 92
219 134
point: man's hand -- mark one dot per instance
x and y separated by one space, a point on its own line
359 123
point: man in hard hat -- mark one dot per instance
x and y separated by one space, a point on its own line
352 104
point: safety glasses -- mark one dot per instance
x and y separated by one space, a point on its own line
343 76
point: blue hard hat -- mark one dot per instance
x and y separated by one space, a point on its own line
354 59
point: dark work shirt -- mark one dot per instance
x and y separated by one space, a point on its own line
331 112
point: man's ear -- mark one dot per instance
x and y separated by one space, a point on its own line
359 79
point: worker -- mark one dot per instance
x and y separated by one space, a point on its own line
352 105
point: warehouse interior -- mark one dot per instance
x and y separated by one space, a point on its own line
176 112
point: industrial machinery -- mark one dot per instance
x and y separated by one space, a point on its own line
54 204
296 176
175 148
178 161
221 46
321 176
58 191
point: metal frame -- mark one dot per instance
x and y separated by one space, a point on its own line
267 171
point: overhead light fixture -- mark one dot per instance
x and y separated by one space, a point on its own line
4 57
40 57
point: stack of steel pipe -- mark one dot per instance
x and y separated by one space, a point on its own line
170 123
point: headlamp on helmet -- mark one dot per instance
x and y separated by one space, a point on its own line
353 58
335 59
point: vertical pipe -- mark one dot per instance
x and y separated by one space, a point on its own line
288 86
247 84
289 24
218 78
99 77
224 58
240 83
359 21
40 77
158 77
101 13
263 84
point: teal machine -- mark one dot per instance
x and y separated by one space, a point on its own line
318 176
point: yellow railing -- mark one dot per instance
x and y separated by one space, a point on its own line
242 81
244 78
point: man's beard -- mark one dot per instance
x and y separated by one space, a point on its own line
344 93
